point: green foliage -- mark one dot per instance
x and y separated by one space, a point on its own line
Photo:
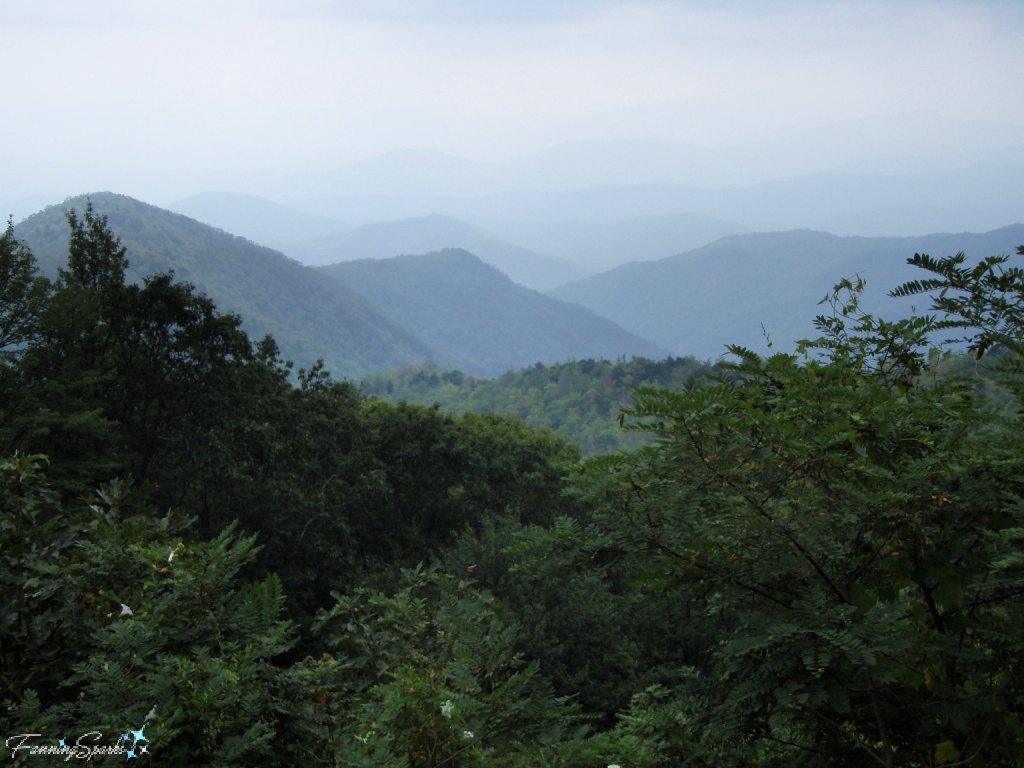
23 294
579 399
984 300
110 620
347 491
96 258
855 530
595 637
428 676
149 379
34 645
810 559
115 616
191 660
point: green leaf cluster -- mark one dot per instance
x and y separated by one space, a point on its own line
429 676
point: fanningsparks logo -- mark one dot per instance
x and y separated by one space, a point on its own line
129 744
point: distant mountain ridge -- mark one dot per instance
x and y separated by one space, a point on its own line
540 255
478 319
433 233
698 302
452 308
601 246
912 143
308 316
256 218
977 198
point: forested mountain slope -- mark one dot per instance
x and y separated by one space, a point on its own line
478 319
432 233
697 302
579 399
309 317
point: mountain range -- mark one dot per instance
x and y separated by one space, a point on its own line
360 316
981 197
914 143
600 246
431 233
308 316
450 307
536 254
478 319
697 302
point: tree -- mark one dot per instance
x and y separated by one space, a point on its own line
111 621
23 295
429 676
853 526
594 635
117 378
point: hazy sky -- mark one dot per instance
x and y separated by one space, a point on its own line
190 94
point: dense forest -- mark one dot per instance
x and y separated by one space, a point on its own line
580 399
810 559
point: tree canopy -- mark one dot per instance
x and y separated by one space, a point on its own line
851 522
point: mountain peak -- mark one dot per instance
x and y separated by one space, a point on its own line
308 317
478 318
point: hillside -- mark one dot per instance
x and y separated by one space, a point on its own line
697 302
433 233
579 399
308 316
478 319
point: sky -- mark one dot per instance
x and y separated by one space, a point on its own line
168 97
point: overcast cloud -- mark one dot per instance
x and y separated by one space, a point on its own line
165 97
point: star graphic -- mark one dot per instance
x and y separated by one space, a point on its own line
131 754
62 743
143 750
137 735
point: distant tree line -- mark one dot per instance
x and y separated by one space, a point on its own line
578 399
